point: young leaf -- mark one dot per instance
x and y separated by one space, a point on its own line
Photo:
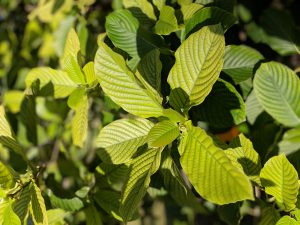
38 208
121 138
7 179
80 121
199 61
72 46
63 86
246 158
21 206
280 180
135 188
278 90
73 69
163 133
239 62
9 216
167 22
119 83
286 220
89 72
290 142
210 171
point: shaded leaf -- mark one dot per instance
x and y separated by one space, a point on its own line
290 142
38 208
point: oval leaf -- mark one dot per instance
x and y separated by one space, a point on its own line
167 22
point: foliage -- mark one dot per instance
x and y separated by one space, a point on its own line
131 112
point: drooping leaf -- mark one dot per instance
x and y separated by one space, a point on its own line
245 157
121 138
68 204
253 108
135 188
290 141
167 22
21 206
72 46
209 16
280 180
163 133
286 220
122 87
80 122
278 90
38 208
210 171
222 108
63 86
9 216
7 138
239 62
125 32
7 179
199 61
92 216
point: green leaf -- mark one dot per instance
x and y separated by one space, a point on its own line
135 188
121 138
199 61
209 16
159 3
80 121
119 83
230 213
246 158
72 46
12 100
7 179
280 180
239 62
269 216
124 31
71 205
75 97
210 171
21 206
188 10
9 216
253 108
38 208
92 216
56 216
7 137
163 133
167 22
278 90
222 108
73 69
63 86
150 68
89 72
286 220
290 142
143 5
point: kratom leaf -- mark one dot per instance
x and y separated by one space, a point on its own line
210 171
3 204
278 90
150 68
63 86
222 108
167 22
12 100
163 133
73 69
280 180
121 138
38 208
230 213
89 72
7 138
92 216
159 3
75 97
253 108
21 206
290 142
9 216
124 31
209 16
269 216
7 179
246 158
68 204
286 220
143 5
122 87
80 122
138 181
239 62
72 46
199 61
188 10
56 216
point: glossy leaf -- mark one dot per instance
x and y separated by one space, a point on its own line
278 90
112 73
121 138
199 61
167 22
239 62
280 180
210 171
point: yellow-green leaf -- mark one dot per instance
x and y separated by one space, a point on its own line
9 216
38 208
6 177
72 46
167 22
89 72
